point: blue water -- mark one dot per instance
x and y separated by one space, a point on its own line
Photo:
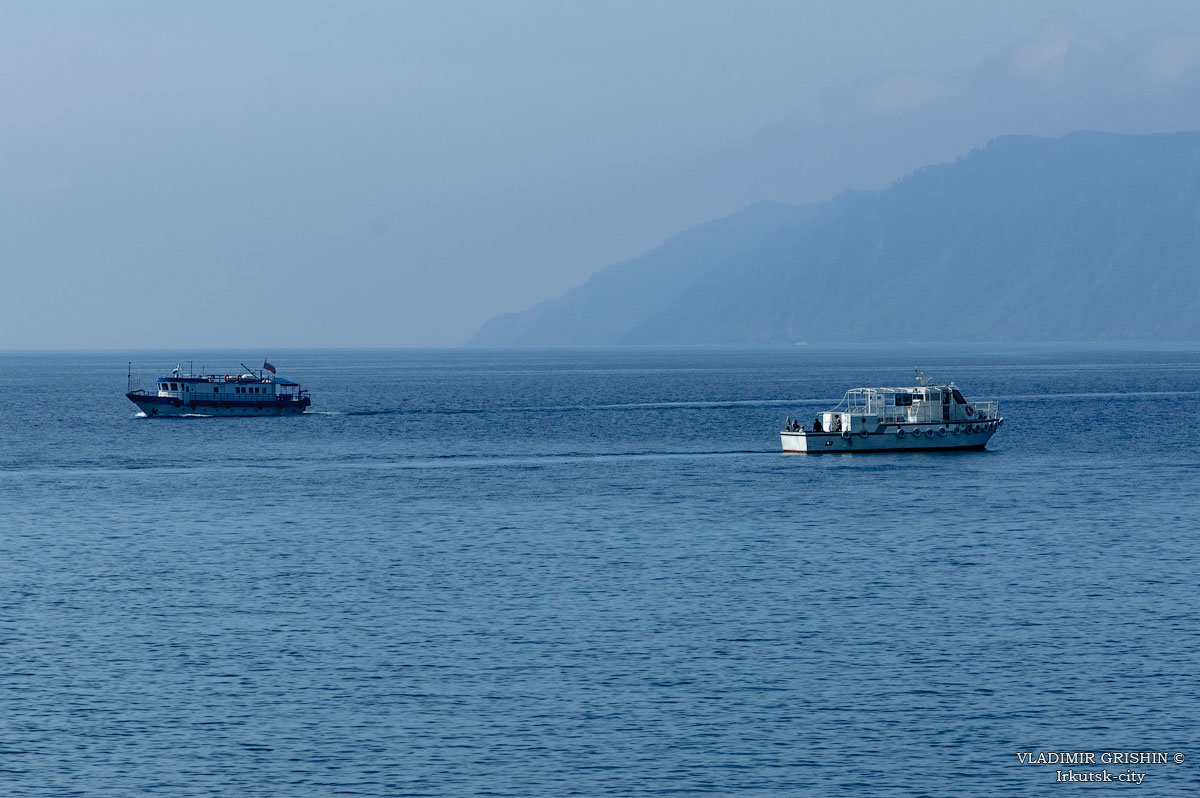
590 573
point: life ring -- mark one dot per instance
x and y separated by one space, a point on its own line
970 410
942 432
899 432
863 432
957 431
258 406
177 402
928 433
279 405
845 432
192 404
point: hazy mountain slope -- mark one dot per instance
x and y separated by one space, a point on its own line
615 300
1088 237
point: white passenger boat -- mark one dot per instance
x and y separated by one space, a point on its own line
249 393
920 417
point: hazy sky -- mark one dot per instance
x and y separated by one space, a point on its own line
280 174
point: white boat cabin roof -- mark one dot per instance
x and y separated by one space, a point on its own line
910 390
229 378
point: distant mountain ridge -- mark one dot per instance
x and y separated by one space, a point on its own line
1087 237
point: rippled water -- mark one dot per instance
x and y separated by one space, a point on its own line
558 573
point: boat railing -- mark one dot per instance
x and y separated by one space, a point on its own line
987 410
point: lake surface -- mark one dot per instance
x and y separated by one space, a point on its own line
593 572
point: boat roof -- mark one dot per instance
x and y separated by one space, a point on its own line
228 378
909 388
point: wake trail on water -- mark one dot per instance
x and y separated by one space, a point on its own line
467 411
692 405
368 462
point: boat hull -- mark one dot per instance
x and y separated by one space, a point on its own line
916 438
167 407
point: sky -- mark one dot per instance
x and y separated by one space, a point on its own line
377 174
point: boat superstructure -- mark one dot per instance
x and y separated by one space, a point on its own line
247 393
918 417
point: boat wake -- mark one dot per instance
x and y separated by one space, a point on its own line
456 411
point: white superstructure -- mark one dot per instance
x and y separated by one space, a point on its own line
922 416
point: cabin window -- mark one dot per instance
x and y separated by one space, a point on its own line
216 389
958 397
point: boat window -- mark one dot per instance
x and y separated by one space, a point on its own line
958 397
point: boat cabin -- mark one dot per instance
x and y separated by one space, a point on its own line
866 409
228 387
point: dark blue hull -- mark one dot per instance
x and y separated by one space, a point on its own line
163 406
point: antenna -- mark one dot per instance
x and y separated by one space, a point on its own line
921 379
247 368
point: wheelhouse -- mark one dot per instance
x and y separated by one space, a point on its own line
867 410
